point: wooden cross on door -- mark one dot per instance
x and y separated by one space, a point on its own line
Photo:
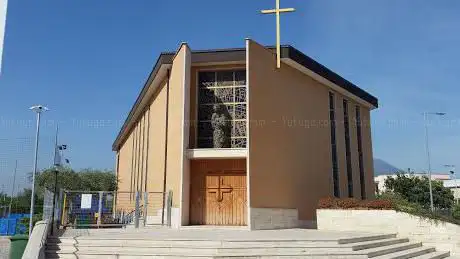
220 189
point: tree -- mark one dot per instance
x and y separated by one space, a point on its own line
416 190
97 180
84 180
67 179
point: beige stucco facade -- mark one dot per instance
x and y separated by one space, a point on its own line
289 146
288 150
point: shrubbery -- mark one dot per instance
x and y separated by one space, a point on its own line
351 203
456 212
416 190
391 201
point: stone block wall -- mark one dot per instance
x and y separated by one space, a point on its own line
274 218
442 235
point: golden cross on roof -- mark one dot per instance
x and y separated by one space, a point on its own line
277 11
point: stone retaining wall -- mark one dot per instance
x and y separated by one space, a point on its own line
442 235
276 218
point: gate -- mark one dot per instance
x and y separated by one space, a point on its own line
89 209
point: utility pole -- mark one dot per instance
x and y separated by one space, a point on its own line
57 163
38 109
428 156
12 189
58 150
452 172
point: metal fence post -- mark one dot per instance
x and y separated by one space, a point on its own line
99 209
59 207
114 202
136 211
146 203
168 206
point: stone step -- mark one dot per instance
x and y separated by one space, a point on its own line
72 256
434 255
247 251
225 247
377 243
378 251
409 253
54 244
369 237
194 243
115 238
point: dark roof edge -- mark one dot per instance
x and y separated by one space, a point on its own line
287 51
309 63
164 58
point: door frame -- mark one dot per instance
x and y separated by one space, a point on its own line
223 172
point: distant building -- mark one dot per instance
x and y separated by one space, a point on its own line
453 185
380 180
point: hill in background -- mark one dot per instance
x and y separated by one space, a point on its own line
383 167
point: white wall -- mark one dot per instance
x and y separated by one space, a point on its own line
444 236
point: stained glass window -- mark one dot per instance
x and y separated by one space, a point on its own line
222 97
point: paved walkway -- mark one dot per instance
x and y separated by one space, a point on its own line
4 248
207 233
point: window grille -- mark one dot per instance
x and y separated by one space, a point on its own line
224 91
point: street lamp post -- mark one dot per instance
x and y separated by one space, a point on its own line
37 109
452 172
427 146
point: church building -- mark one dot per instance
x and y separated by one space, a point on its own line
240 142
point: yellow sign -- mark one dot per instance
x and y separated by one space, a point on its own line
277 11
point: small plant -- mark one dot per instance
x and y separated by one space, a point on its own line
352 203
380 204
456 212
349 203
23 225
393 201
327 203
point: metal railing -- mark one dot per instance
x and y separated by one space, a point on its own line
85 209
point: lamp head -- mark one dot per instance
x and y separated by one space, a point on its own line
39 108
440 113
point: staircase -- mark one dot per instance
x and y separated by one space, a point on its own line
246 244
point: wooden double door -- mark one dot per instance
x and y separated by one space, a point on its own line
218 198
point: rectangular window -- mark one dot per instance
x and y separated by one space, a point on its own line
335 168
222 109
346 124
360 153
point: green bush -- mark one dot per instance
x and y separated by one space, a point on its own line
25 222
403 205
351 203
393 201
416 189
456 212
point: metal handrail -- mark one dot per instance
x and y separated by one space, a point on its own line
114 211
133 211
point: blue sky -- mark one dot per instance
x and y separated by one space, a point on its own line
87 61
